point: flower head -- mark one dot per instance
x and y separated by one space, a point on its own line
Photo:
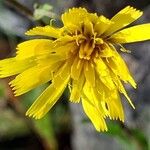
81 55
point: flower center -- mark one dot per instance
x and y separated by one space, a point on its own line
89 43
91 47
86 49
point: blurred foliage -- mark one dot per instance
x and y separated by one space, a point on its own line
11 125
44 10
133 138
130 139
45 129
43 126
55 124
12 22
46 15
2 89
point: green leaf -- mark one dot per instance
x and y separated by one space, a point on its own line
2 90
44 10
44 127
141 138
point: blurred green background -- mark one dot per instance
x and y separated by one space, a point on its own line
65 127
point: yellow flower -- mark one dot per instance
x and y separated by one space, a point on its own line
82 54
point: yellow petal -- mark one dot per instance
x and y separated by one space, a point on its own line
121 88
106 51
132 34
89 73
102 25
103 73
66 50
32 78
33 47
119 67
63 41
76 90
123 18
93 17
106 102
88 28
98 99
94 115
51 95
76 68
12 66
102 89
62 72
94 97
101 67
46 31
114 106
49 59
74 18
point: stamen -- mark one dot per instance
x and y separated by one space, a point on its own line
94 40
96 54
123 49
77 38
86 50
51 21
99 41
